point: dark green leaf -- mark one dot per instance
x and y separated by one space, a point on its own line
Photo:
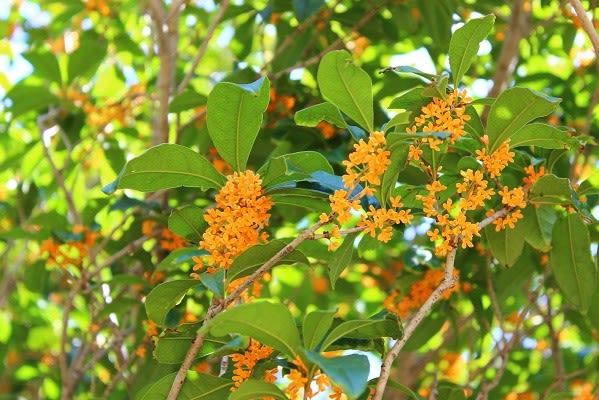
572 263
316 325
188 222
196 387
464 45
166 296
364 329
167 166
311 200
234 117
326 111
538 222
513 109
254 257
215 282
305 8
550 189
186 100
269 323
341 258
507 244
179 256
293 167
543 135
348 372
253 389
172 349
347 86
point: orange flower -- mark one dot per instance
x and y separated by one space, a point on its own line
244 362
236 222
495 162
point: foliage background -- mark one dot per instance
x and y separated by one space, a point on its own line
120 76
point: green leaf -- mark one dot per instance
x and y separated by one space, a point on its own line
464 45
543 135
550 189
196 387
172 349
305 8
593 312
88 56
255 256
5 322
165 297
326 111
293 167
348 372
167 166
507 244
234 116
215 282
316 325
347 86
312 200
572 263
269 323
254 389
179 256
399 121
513 109
410 100
538 222
26 98
188 222
373 328
398 161
401 388
341 258
45 64
186 100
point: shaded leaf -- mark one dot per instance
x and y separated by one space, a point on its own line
316 324
341 258
507 244
543 135
196 387
350 372
326 111
166 296
550 189
188 222
364 329
253 389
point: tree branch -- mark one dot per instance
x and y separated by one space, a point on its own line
218 306
587 25
204 45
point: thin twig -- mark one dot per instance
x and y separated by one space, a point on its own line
587 25
218 306
204 45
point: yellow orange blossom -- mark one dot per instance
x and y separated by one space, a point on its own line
508 221
244 362
582 390
513 198
235 223
370 159
495 162
532 176
475 190
419 292
452 365
441 115
168 240
297 378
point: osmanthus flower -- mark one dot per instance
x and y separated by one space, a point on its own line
419 292
440 115
496 161
236 221
245 362
365 166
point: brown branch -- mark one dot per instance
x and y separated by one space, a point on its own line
587 25
44 122
218 306
204 45
336 44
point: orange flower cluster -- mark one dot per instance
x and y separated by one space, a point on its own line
531 175
280 104
365 165
71 252
98 5
440 115
168 240
520 396
326 130
244 362
217 162
419 292
298 380
235 223
99 117
582 390
452 366
475 189
495 162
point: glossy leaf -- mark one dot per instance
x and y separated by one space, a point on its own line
171 349
188 222
538 222
293 167
316 324
347 86
550 189
234 116
572 263
326 111
513 109
341 258
254 257
179 256
543 135
507 244
215 282
464 43
398 161
308 199
196 387
364 329
166 296
167 166
350 372
253 389
269 323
